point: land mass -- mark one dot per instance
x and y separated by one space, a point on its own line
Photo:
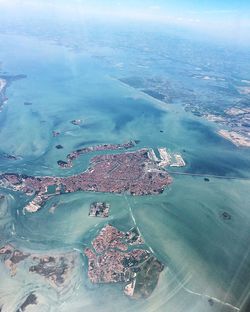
236 138
99 209
134 173
115 257
234 116
55 269
9 156
85 150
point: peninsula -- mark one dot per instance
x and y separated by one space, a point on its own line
236 138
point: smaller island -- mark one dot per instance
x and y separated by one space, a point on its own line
55 133
226 215
114 259
59 146
99 209
12 257
9 156
56 269
76 122
85 150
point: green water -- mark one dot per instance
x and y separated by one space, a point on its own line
204 255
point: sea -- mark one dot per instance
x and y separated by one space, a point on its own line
206 258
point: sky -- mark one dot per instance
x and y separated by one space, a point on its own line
223 18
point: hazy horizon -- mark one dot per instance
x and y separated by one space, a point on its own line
226 20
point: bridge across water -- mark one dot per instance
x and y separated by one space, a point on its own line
208 175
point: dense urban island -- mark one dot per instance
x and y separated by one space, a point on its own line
137 172
109 261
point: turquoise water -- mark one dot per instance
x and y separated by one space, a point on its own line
205 256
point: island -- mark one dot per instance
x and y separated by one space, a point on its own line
96 148
54 268
9 156
133 173
118 257
76 122
226 215
59 146
55 133
99 209
12 257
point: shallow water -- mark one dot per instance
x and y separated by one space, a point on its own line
204 255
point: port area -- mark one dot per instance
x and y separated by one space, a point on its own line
167 158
